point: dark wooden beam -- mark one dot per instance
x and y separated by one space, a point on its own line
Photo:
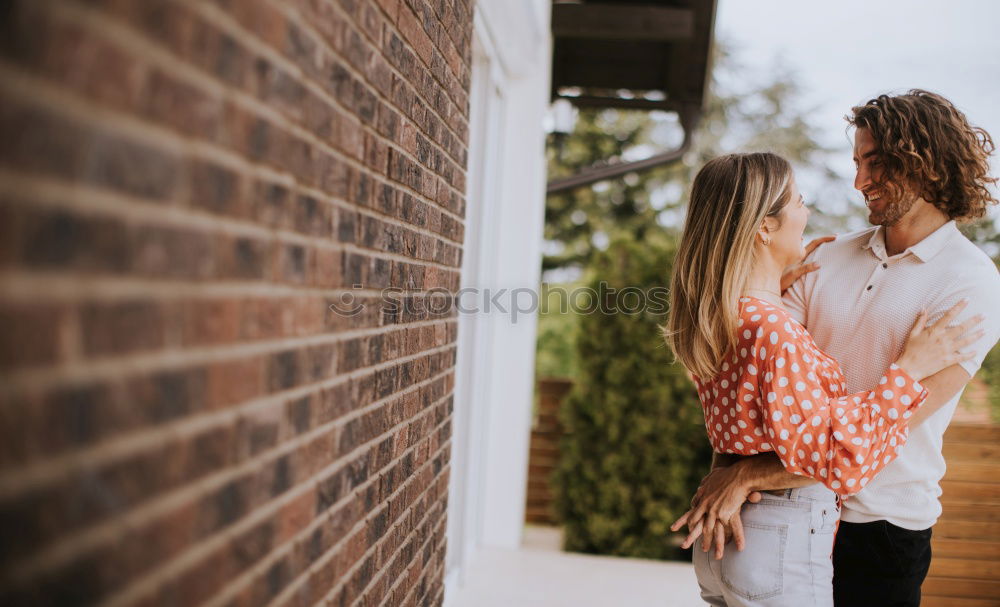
621 102
622 22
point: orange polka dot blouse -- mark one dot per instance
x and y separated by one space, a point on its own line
779 392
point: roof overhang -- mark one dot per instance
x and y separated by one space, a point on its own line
636 54
651 54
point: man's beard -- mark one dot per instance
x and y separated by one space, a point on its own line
893 210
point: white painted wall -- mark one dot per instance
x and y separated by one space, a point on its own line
505 213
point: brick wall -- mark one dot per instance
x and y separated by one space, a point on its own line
185 188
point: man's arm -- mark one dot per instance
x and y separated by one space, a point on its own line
941 388
732 481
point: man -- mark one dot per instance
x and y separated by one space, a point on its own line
921 168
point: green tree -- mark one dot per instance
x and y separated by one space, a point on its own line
635 446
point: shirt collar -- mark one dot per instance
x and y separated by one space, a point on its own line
925 250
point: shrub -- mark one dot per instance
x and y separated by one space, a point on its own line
635 446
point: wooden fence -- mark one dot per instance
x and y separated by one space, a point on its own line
965 567
544 449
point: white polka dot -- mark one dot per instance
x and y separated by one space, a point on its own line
807 438
771 397
780 362
746 335
772 318
755 318
888 394
835 484
752 370
783 435
892 413
782 381
774 337
776 416
905 399
900 382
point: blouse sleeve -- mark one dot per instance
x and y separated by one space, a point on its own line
838 441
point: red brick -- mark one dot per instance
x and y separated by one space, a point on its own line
33 334
243 226
233 382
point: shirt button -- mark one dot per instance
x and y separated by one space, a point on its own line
885 265
869 288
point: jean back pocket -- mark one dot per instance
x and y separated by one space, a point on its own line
756 572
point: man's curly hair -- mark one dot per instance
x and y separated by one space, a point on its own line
926 143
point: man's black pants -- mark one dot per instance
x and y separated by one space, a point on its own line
879 564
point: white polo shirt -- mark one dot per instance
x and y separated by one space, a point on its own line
860 306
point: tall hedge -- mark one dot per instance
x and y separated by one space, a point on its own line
635 445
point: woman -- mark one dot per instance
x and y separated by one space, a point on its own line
765 386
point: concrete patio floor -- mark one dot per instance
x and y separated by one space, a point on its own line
540 575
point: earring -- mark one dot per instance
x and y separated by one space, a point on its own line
767 241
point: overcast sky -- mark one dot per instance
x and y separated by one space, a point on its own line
846 52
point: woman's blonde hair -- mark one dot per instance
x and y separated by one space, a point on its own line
730 198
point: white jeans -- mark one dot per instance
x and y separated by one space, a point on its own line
786 561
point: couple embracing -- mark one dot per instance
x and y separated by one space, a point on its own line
826 393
